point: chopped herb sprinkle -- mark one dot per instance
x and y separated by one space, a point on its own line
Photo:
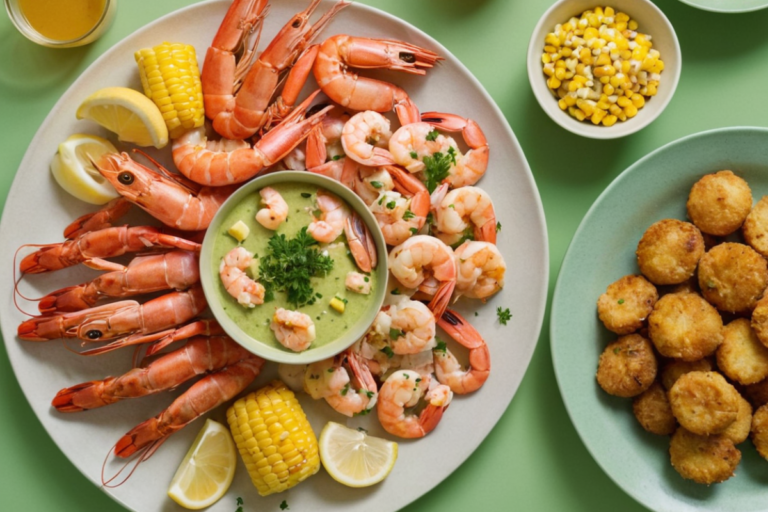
388 351
377 184
504 315
432 136
621 301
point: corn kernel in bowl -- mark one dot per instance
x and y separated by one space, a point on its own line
601 69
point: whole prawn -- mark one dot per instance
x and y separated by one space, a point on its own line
447 368
177 270
404 389
198 356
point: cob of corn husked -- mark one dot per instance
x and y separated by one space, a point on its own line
274 438
171 78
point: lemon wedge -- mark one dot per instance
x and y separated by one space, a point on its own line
354 458
73 170
128 113
207 470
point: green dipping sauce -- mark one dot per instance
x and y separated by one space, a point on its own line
329 324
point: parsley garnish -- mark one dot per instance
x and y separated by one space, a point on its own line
336 157
408 215
361 429
413 230
284 505
395 333
498 227
239 504
388 350
436 169
504 315
345 390
441 346
290 264
364 412
391 205
431 136
616 350
395 292
621 301
377 184
414 155
306 195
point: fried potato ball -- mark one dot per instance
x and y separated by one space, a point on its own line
741 356
626 304
703 459
669 251
704 402
719 203
739 430
672 371
685 326
733 277
757 394
755 228
627 366
760 320
760 430
653 411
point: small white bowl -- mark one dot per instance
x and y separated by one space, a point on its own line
651 21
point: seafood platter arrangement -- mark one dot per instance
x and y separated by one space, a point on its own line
274 223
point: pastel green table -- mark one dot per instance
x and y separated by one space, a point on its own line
532 460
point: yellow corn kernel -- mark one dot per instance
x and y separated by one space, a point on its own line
608 89
553 83
622 17
630 110
651 89
601 71
171 79
598 10
625 55
549 71
590 33
594 20
604 104
605 80
598 115
568 75
658 67
560 74
580 69
239 231
638 100
624 102
585 54
642 40
570 100
552 40
603 59
609 120
556 56
622 44
585 107
566 52
609 11
625 66
632 25
567 27
579 114
562 104
545 58
573 85
562 91
550 49
560 63
615 109
337 304
648 63
639 53
581 80
621 26
274 438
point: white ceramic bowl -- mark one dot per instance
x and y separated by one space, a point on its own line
651 21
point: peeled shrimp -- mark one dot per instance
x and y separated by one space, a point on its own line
447 368
344 381
480 269
470 166
463 212
408 327
403 389
412 142
293 329
364 138
333 214
358 283
275 211
248 292
426 263
402 213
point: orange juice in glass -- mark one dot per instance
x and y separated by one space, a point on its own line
61 23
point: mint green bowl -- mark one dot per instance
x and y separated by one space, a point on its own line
209 270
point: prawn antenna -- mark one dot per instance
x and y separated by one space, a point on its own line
141 456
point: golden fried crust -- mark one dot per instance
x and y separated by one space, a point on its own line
738 432
652 410
626 304
741 356
760 320
627 366
672 371
719 203
704 402
733 277
703 459
685 326
757 394
755 228
669 251
760 430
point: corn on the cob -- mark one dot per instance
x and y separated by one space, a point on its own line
171 78
599 67
274 438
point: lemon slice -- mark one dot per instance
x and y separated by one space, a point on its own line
207 470
73 170
128 113
354 458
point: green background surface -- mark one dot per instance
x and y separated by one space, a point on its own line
533 460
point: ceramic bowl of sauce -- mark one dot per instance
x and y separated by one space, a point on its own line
61 23
334 330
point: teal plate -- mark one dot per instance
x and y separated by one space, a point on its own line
602 251
726 6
